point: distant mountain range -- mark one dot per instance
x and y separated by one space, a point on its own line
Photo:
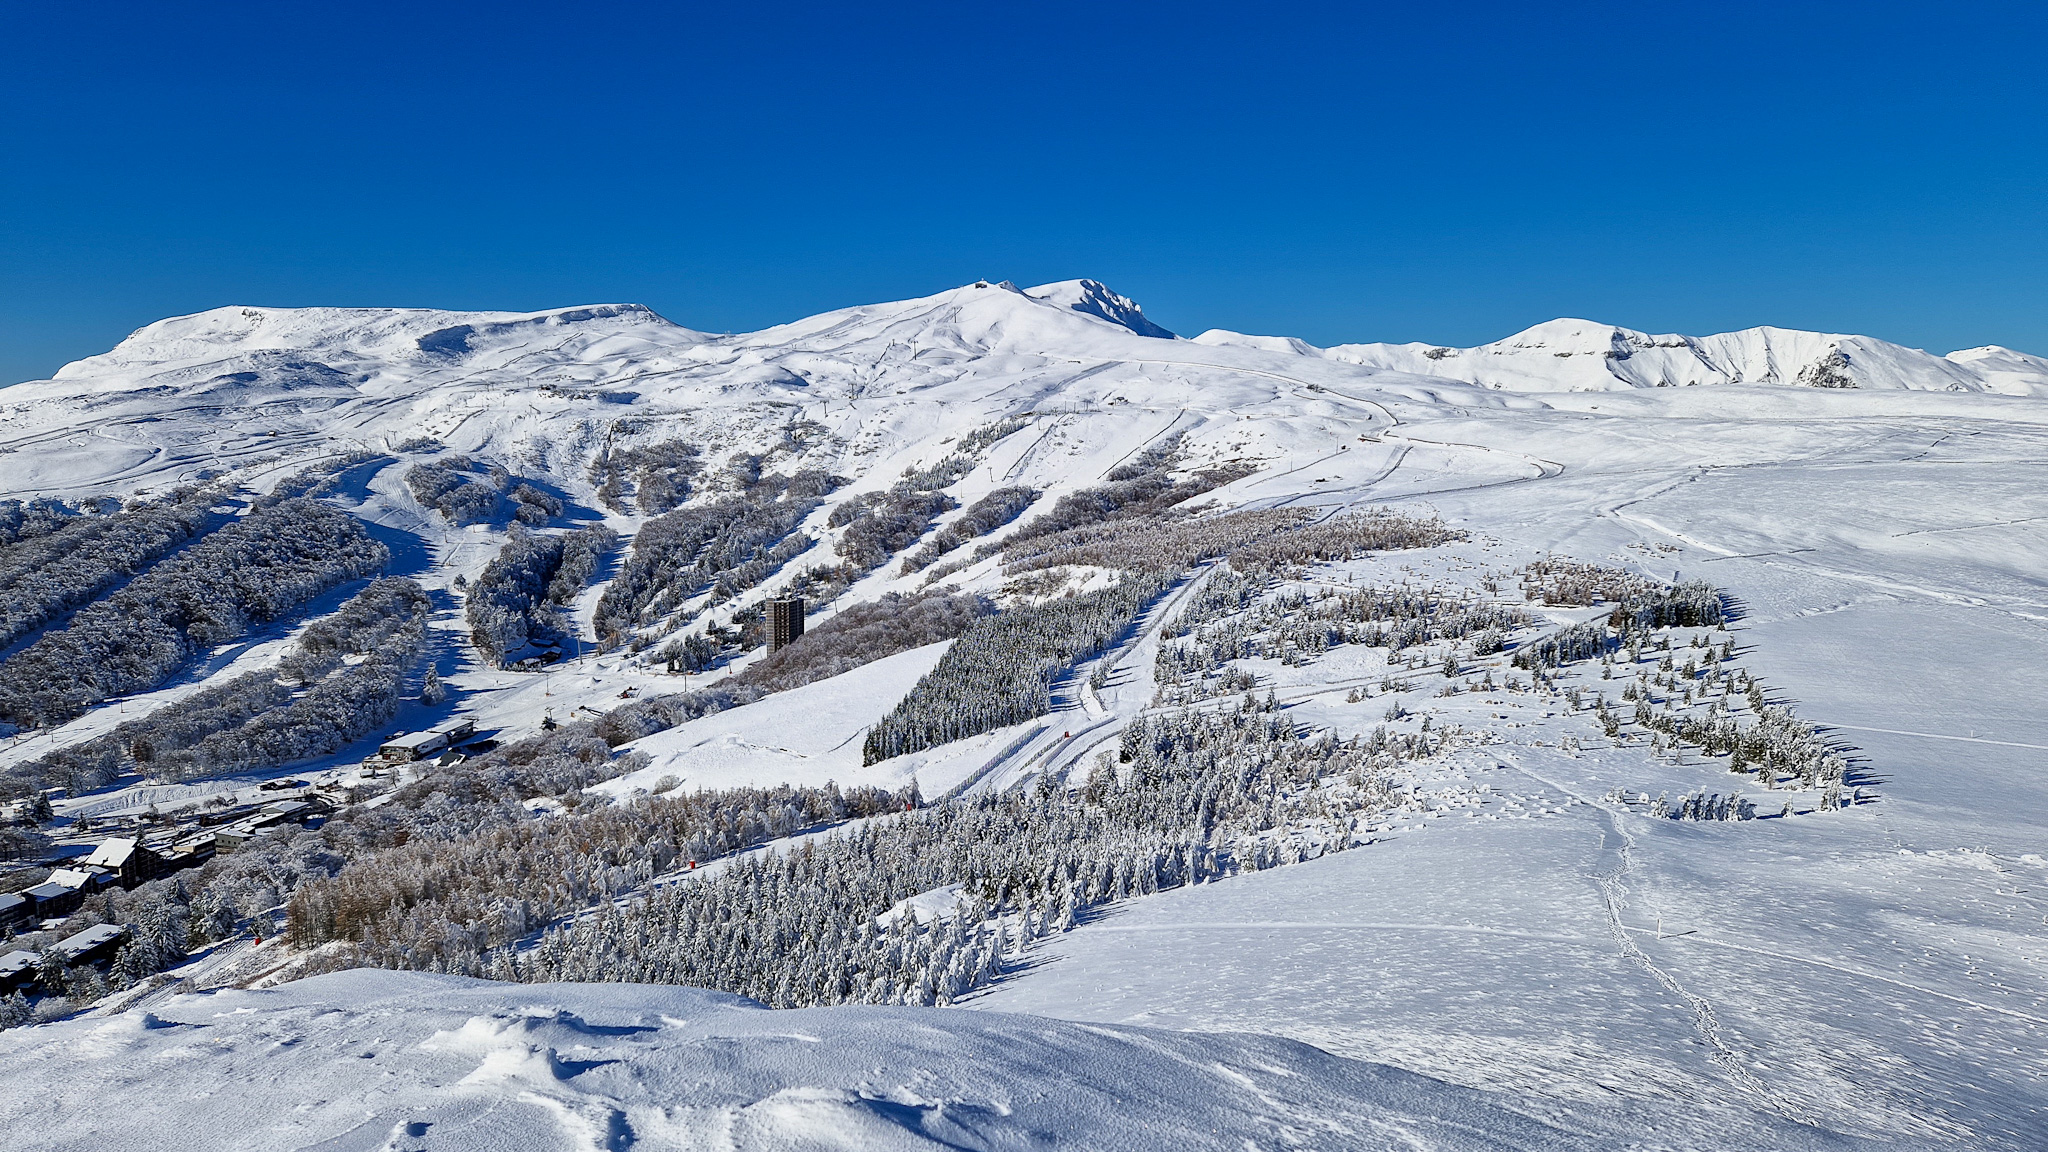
228 386
1584 356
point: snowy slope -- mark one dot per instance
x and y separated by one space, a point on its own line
245 387
1608 977
757 745
376 1060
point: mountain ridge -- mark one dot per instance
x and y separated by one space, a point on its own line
1599 357
235 386
1561 355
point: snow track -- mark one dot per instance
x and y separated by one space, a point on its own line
1082 729
1614 887
1614 890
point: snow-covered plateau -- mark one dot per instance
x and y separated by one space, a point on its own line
1589 740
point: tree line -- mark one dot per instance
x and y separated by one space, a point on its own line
54 564
1189 797
314 702
723 545
254 570
517 603
1001 670
464 491
660 475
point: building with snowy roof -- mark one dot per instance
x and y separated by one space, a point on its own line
420 745
50 899
265 819
411 746
17 970
126 858
82 879
94 944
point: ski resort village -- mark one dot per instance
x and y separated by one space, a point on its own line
994 721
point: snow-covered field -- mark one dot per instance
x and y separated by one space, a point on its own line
1518 961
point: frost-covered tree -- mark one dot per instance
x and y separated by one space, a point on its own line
312 703
1198 795
1001 669
52 564
252 571
659 475
517 603
723 545
468 492
432 691
982 517
1143 486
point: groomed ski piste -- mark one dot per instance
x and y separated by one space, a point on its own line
1542 921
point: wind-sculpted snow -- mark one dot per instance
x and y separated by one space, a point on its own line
404 1061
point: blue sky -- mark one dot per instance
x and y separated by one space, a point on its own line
1447 173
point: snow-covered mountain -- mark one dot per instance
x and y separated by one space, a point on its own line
1583 356
254 382
1519 943
232 385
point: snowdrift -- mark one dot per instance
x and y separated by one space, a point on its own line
384 1060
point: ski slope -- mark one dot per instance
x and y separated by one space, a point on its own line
1520 964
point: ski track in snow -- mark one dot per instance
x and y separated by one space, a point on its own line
1614 889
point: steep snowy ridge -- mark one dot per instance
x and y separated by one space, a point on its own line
1092 298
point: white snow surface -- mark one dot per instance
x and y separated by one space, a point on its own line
807 736
1519 964
370 1061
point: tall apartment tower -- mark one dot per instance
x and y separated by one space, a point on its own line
785 621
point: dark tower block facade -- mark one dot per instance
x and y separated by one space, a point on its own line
785 621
